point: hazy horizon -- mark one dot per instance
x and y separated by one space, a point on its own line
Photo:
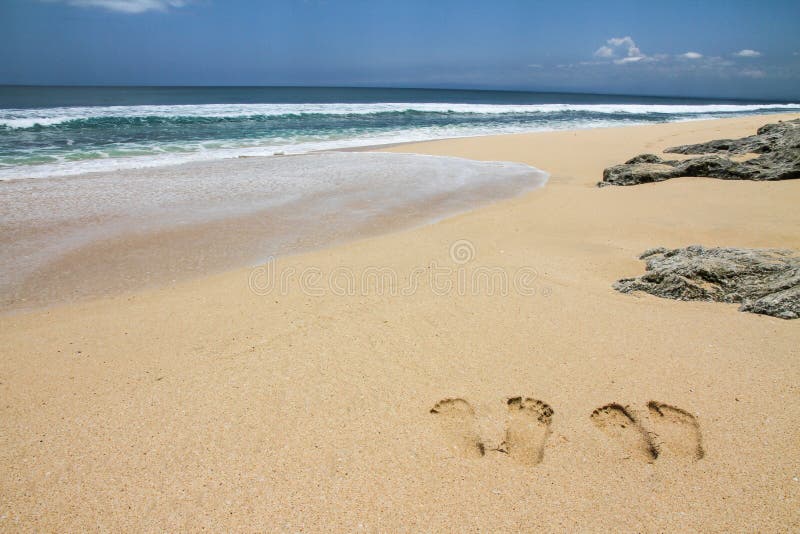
709 97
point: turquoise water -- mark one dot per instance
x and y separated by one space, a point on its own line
48 131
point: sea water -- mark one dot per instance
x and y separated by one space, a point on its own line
47 131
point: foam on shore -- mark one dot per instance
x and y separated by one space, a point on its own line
60 141
105 232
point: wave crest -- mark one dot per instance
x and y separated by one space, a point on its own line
176 114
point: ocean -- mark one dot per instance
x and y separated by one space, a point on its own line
55 131
111 189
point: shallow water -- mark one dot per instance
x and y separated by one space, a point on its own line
71 237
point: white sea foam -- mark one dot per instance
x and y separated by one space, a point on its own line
235 148
26 118
310 200
227 149
197 191
55 161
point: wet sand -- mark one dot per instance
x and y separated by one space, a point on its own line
66 239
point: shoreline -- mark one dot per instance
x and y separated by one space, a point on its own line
157 227
364 147
27 300
206 404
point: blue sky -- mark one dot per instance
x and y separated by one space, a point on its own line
732 48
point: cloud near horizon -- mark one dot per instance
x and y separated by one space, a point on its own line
127 6
620 46
624 51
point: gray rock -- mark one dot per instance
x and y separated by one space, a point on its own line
778 145
764 281
644 158
768 138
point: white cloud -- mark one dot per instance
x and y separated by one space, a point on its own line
624 49
626 42
604 51
128 6
747 53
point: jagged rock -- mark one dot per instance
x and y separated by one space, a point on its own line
764 281
778 144
644 158
768 138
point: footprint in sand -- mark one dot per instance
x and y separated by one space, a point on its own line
618 423
528 429
678 431
457 420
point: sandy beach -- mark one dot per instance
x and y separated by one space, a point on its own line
360 392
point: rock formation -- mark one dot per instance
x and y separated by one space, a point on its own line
778 146
765 281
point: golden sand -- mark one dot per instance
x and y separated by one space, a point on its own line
208 405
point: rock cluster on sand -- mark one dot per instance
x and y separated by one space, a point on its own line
765 281
778 145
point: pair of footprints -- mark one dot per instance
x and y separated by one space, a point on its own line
530 420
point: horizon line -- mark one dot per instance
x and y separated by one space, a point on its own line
417 88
